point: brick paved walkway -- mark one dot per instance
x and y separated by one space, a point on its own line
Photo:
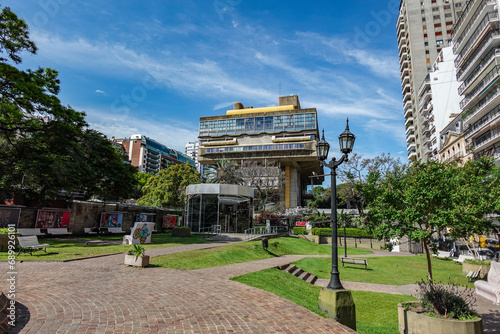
102 296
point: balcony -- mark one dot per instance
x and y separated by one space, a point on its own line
403 57
424 99
405 81
410 136
402 41
478 70
409 121
409 128
474 113
412 153
491 137
470 5
478 23
404 64
424 85
403 49
480 87
407 97
483 124
405 73
408 113
427 140
411 146
407 105
424 121
406 89
474 45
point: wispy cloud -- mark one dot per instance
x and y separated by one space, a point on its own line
169 132
98 91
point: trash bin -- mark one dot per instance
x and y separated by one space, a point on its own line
265 243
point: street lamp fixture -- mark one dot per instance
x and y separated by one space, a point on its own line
346 142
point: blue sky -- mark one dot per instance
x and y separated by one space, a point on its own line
155 67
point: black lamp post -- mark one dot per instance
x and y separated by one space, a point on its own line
346 141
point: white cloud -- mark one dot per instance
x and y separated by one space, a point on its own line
168 132
98 91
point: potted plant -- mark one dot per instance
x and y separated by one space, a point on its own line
441 309
136 257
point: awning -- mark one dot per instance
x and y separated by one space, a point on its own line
230 200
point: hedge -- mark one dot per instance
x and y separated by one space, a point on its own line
299 230
350 232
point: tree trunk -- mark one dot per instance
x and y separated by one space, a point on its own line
429 265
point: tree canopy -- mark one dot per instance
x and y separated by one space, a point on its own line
168 188
432 197
46 146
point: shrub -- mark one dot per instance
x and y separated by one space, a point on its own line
266 215
448 301
350 232
480 262
299 230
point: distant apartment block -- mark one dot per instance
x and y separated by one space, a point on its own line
285 134
438 100
476 38
424 28
151 156
191 150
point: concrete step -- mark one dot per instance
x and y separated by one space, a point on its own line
297 272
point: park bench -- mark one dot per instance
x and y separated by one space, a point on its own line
140 234
353 260
88 230
115 230
29 231
30 243
473 275
491 287
58 231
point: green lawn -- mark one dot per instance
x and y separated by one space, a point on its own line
394 270
72 248
243 252
376 313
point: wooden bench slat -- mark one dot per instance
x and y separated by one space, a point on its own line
352 260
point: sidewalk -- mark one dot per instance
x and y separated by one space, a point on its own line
100 295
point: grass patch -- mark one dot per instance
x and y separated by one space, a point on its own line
72 248
394 270
376 313
243 252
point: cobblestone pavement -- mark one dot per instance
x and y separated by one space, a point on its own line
101 295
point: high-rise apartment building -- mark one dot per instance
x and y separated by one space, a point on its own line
191 150
476 38
424 28
151 156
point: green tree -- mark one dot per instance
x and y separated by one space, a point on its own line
168 188
354 172
225 171
432 197
45 147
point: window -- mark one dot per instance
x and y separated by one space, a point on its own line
269 123
249 124
425 35
439 41
449 23
436 17
240 125
435 9
448 32
424 27
426 43
447 15
438 33
437 25
428 60
426 52
259 123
